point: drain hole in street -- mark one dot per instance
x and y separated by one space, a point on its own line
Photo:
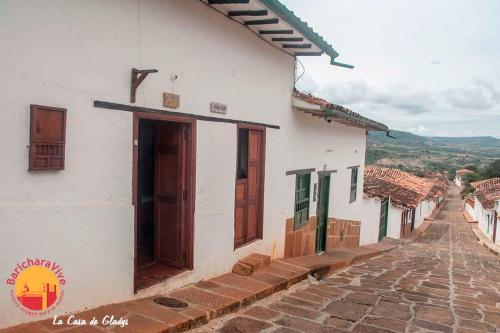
170 302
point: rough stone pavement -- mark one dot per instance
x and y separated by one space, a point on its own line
444 282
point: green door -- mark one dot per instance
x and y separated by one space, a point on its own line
322 212
382 231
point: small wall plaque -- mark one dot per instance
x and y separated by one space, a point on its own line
171 100
218 108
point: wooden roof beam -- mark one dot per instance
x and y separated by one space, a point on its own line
297 46
287 39
308 54
226 2
262 22
233 13
276 32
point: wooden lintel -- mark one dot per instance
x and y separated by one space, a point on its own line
138 75
133 108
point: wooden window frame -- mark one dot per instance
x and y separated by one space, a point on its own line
34 143
301 203
353 191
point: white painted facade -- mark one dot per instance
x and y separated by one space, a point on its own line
469 209
370 220
68 54
458 181
484 218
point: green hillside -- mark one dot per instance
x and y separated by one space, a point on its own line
412 152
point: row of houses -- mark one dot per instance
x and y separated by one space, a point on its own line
156 143
483 207
399 201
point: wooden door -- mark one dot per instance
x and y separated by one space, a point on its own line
495 222
249 190
384 211
413 212
322 212
169 193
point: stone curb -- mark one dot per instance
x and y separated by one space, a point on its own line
484 240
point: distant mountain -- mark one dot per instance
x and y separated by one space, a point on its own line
414 152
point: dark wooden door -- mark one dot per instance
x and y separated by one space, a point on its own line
413 212
322 212
169 193
384 211
249 192
495 222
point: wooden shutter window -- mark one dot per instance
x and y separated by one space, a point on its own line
302 195
47 138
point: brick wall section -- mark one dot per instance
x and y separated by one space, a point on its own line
342 234
300 242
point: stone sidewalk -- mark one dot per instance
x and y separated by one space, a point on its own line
213 298
484 240
445 281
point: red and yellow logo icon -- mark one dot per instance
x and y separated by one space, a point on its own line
37 286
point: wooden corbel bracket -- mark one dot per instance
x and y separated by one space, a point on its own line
138 75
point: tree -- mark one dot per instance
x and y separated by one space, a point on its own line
492 170
470 178
471 168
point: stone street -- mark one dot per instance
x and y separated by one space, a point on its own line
443 282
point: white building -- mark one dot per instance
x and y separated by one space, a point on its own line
399 201
139 186
485 212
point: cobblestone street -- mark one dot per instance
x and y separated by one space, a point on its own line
443 282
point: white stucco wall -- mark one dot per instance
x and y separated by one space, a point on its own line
484 218
370 221
423 210
469 209
56 58
458 181
394 222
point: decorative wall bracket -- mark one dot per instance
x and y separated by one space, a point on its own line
138 75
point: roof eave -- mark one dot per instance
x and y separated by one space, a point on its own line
301 26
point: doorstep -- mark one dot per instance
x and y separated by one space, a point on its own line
215 297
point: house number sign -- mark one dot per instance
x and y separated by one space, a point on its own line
218 108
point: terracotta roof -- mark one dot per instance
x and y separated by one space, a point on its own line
405 189
462 172
439 184
486 183
337 112
488 196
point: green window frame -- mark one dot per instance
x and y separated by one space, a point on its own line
302 199
354 184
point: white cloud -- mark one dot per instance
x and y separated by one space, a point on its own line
479 94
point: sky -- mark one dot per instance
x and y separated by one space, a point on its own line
428 67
